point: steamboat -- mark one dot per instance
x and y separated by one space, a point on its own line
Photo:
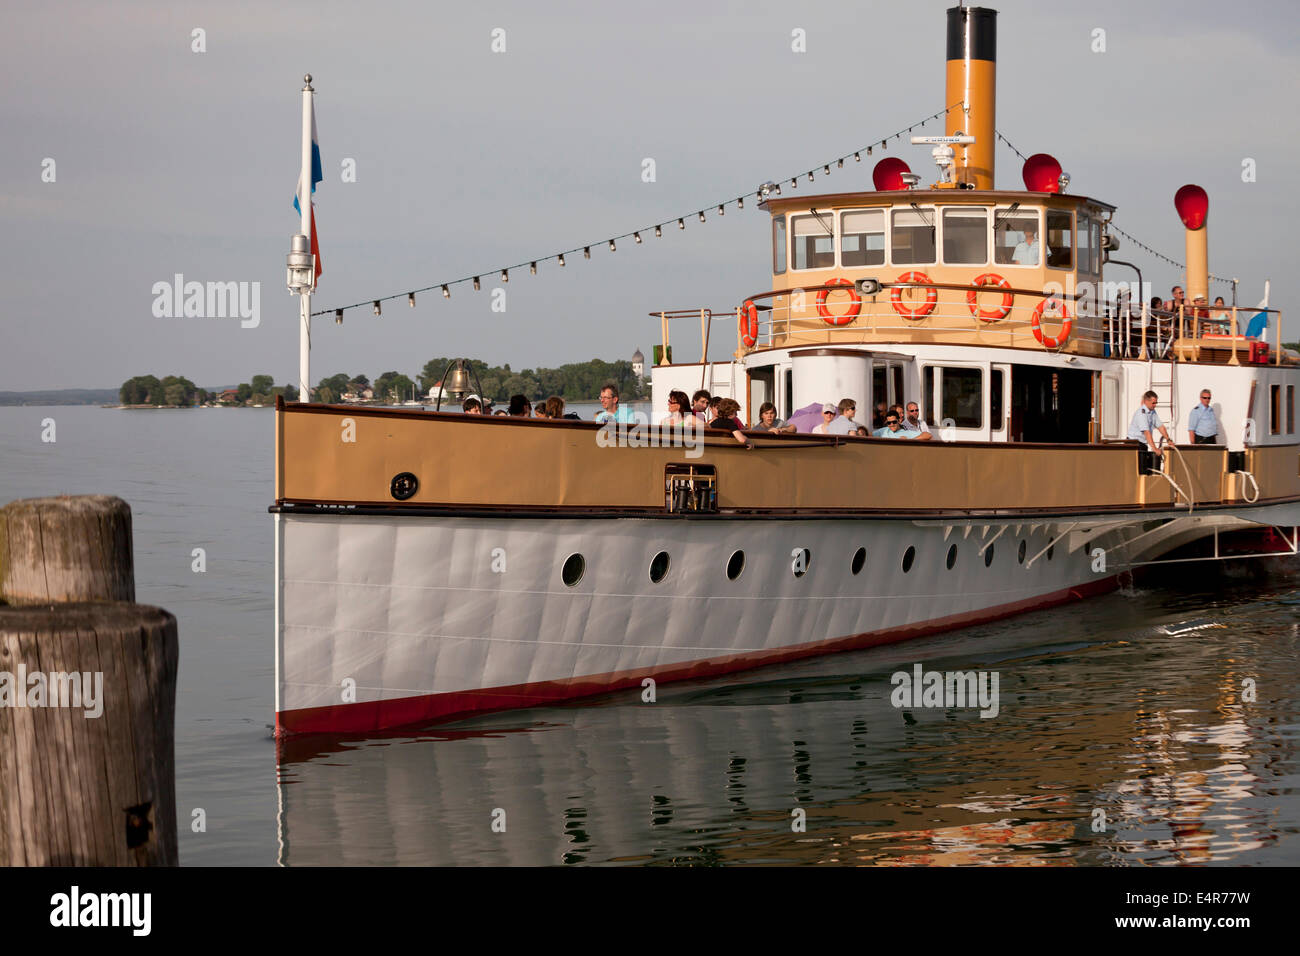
553 563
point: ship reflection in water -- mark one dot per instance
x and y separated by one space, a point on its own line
1122 738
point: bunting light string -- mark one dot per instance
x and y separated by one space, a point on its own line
1114 228
445 286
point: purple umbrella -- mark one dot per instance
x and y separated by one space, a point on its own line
806 418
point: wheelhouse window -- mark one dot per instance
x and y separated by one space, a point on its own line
960 396
1060 239
1096 247
1290 409
862 237
1085 245
912 237
814 241
966 236
1012 242
1275 410
778 245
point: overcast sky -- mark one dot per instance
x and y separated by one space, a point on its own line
170 161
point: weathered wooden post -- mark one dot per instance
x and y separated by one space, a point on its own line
87 692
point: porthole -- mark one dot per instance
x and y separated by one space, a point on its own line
952 556
659 567
988 555
908 557
735 564
800 562
1051 551
404 486
859 560
1021 556
574 566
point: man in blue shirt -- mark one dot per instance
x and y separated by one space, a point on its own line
613 411
1146 423
894 428
1202 426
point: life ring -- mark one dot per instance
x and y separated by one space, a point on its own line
1048 341
925 308
990 279
749 323
855 306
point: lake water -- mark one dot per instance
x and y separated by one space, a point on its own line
1123 737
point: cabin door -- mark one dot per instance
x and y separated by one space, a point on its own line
999 402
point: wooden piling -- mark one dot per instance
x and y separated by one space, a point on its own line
71 548
87 693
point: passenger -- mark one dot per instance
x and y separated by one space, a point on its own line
1202 426
828 416
727 421
845 425
878 419
500 411
715 405
472 406
1174 304
555 408
1221 314
768 422
894 429
1027 250
520 406
700 405
613 411
896 410
678 408
1146 423
913 420
539 411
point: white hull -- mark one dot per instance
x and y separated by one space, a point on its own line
384 621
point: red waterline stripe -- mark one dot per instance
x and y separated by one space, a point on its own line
380 715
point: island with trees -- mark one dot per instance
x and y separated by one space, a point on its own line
576 382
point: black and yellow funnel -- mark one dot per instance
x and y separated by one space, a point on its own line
971 91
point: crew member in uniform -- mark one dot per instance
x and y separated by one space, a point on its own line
1146 423
1202 426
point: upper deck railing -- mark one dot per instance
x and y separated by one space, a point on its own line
990 316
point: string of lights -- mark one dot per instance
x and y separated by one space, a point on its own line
1114 228
636 235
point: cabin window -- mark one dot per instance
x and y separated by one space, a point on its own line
1275 409
1290 409
1060 239
862 238
1096 247
966 236
814 241
1085 245
995 400
778 245
1010 239
912 240
960 396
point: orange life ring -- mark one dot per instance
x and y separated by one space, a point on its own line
1048 341
749 323
996 281
925 308
855 306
